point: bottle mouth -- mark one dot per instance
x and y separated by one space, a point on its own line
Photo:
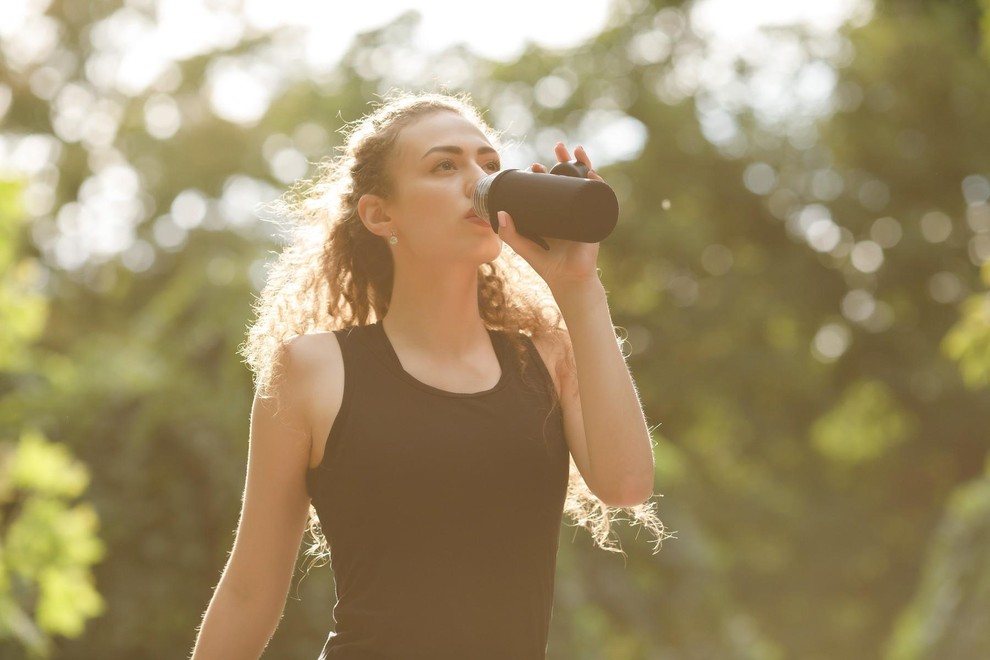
480 199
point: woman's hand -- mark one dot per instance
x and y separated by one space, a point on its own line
565 263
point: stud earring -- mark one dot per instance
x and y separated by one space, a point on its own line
393 239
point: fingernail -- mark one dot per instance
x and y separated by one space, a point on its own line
501 219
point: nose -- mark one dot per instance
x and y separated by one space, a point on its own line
473 175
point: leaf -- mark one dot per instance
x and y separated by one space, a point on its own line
968 342
865 423
46 468
48 544
68 598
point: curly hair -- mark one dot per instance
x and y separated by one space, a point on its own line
334 274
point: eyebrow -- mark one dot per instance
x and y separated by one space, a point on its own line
451 149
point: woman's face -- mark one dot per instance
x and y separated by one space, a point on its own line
437 161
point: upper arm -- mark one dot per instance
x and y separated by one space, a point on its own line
249 599
275 503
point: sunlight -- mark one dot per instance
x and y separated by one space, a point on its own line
727 19
137 50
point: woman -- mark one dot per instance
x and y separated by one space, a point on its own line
417 385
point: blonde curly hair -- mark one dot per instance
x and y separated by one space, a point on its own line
334 274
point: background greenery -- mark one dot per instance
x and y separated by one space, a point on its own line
801 291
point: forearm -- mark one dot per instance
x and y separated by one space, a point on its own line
620 452
236 626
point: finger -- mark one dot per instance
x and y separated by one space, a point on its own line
582 156
561 152
538 167
507 231
524 246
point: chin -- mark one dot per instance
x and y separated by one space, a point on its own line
478 250
492 249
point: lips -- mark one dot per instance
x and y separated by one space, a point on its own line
472 216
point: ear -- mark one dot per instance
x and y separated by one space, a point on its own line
371 210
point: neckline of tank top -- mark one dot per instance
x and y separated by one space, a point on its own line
393 362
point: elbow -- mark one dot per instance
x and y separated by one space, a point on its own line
628 500
628 494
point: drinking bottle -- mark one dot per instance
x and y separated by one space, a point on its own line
550 205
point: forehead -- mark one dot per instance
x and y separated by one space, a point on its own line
439 128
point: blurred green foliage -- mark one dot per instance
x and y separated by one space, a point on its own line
864 424
985 25
24 310
800 292
948 617
969 340
48 538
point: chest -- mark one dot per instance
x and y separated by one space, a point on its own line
480 373
450 440
453 458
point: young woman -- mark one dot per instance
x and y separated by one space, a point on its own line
438 399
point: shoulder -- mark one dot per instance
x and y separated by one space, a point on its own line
303 353
313 374
311 362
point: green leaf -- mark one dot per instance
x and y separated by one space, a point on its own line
968 342
865 423
68 598
46 468
48 544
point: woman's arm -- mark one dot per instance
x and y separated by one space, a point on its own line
604 424
248 601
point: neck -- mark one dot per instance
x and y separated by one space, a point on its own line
437 310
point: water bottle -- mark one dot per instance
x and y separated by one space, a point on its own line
562 204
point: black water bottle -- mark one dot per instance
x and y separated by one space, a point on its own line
570 207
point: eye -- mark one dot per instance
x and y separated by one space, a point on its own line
445 166
493 166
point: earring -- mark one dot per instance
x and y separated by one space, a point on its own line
393 239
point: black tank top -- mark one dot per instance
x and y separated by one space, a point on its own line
442 510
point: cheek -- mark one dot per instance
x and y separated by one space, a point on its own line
424 198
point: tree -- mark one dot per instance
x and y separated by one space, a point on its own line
48 538
785 281
947 616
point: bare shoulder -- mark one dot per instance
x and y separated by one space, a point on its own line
311 353
313 369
